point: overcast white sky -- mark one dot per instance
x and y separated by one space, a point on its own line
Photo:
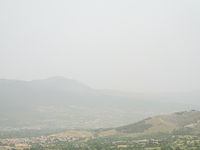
129 45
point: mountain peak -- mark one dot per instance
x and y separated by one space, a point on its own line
64 84
57 78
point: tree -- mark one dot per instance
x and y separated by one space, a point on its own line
177 148
178 140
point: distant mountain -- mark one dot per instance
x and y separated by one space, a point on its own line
60 102
63 84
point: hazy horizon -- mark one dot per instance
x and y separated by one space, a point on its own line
134 46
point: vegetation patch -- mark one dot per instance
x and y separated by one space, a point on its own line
138 127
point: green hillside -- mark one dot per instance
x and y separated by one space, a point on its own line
182 119
180 123
138 127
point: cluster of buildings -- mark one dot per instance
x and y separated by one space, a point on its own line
33 127
81 145
43 141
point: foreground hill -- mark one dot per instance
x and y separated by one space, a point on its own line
186 121
63 103
163 124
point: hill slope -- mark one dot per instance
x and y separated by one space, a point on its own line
186 121
148 127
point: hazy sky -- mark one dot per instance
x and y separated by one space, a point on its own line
129 45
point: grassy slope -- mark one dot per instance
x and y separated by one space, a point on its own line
182 118
157 125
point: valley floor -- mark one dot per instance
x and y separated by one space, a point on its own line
186 142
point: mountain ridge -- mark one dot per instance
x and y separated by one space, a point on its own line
75 102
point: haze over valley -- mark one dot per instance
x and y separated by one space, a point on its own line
61 103
100 75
